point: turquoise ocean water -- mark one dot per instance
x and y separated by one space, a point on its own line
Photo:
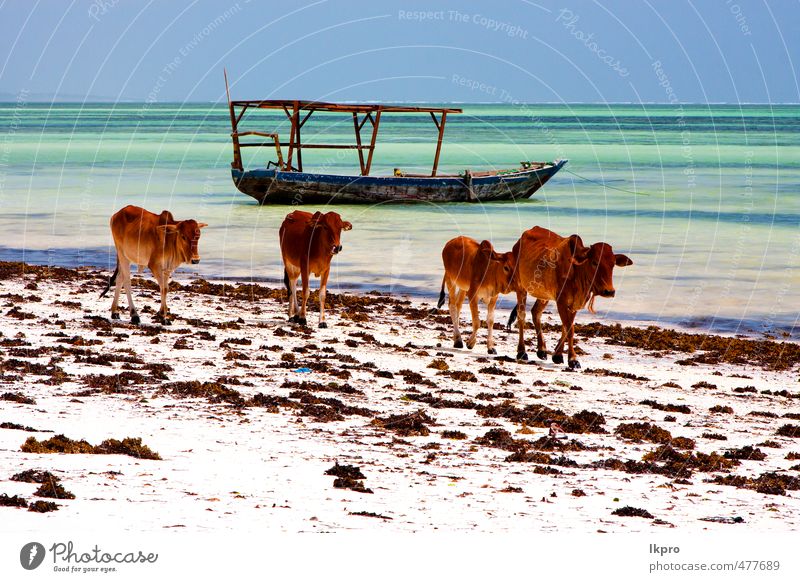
704 198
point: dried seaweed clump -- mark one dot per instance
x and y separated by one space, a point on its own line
17 397
456 435
644 431
682 408
537 415
41 506
348 477
629 511
789 430
414 424
132 447
770 483
439 364
15 501
746 453
680 464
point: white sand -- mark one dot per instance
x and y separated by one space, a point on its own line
251 469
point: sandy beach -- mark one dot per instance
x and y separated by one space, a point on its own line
247 413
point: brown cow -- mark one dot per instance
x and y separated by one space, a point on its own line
477 271
308 243
157 241
553 268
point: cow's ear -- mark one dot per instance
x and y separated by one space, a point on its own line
202 224
580 253
315 220
486 248
347 226
622 261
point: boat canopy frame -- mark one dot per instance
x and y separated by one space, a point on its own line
298 112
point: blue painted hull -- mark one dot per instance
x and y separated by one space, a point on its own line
277 187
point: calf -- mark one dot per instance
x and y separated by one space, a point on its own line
308 243
157 241
477 271
553 268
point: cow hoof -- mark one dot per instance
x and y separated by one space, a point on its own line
522 356
558 359
166 321
541 354
301 320
135 319
323 325
470 346
115 316
492 352
458 344
293 319
574 365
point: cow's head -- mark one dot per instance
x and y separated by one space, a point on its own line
496 269
185 235
600 260
329 227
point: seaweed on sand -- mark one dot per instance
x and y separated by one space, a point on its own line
15 501
537 415
348 477
214 392
629 511
746 453
131 447
414 424
17 397
350 471
53 489
644 431
770 483
789 430
41 506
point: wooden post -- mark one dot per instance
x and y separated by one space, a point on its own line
293 120
237 152
296 123
358 142
439 142
372 142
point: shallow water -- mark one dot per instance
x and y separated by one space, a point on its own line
704 199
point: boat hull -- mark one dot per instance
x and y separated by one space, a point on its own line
276 187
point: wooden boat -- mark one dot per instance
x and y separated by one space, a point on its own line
283 181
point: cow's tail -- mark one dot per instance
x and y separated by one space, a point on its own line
512 318
111 282
441 294
286 282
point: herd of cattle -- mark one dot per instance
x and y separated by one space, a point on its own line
543 264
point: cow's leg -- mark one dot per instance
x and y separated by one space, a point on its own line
305 276
536 315
163 284
572 357
522 299
476 321
567 321
490 323
291 286
456 298
323 291
117 289
125 274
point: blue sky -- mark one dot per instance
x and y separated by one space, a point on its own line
505 50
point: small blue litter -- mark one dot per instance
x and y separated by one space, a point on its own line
303 370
